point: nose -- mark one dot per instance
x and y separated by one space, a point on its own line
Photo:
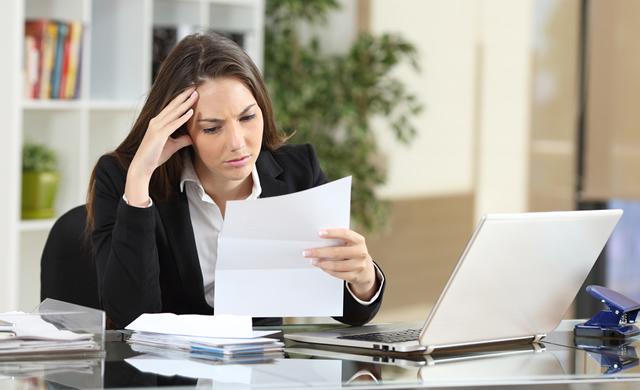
236 137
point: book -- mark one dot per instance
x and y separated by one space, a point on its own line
34 31
66 47
30 68
56 72
48 59
73 75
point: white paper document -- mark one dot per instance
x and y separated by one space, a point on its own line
261 271
196 325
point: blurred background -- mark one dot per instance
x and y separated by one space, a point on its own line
442 110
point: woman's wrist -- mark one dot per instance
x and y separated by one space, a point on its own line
366 291
136 188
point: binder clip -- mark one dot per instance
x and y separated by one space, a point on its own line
617 322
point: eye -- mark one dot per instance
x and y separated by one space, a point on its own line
211 130
247 117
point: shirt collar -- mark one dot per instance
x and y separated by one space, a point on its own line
189 175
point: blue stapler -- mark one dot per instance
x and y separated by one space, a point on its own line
614 355
617 322
613 362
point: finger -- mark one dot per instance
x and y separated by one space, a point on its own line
351 265
337 252
176 123
179 110
176 101
342 234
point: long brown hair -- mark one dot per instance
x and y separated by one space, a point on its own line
195 59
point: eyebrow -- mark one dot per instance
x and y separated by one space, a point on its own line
222 120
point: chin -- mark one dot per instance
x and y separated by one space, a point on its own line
238 173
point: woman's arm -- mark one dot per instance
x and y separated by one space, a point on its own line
125 249
124 230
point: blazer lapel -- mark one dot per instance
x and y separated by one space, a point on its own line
269 170
177 225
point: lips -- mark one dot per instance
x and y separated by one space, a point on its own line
238 159
238 162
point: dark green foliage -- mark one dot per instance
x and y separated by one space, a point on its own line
330 101
38 158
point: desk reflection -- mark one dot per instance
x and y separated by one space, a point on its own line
66 373
308 366
606 355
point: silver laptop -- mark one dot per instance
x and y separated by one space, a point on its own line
412 359
514 282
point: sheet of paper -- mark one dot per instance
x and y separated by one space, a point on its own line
260 269
220 326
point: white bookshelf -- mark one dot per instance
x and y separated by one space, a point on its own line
115 77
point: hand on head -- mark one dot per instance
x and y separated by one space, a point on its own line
158 146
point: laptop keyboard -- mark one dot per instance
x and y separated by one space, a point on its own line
386 337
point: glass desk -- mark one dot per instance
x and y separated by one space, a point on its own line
555 363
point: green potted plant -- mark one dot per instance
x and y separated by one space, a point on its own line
331 101
40 178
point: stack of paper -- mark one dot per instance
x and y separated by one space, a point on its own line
28 367
222 337
25 334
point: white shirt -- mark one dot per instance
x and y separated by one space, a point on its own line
206 220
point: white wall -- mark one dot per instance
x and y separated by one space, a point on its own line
474 132
10 26
440 159
503 140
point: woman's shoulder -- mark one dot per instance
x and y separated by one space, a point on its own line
295 164
109 165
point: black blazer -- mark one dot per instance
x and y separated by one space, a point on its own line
146 258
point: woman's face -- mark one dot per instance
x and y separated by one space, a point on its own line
226 130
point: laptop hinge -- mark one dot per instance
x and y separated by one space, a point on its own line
530 339
537 338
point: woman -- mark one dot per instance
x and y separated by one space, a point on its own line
206 135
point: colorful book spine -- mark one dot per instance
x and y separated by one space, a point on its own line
56 73
64 74
75 44
30 71
52 51
35 30
49 52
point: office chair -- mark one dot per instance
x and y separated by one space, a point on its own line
67 268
